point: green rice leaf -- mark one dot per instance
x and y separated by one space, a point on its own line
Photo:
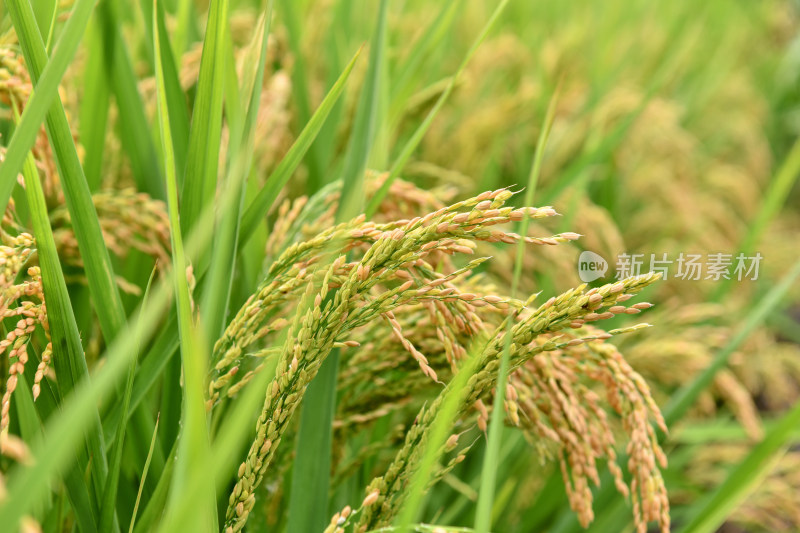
47 81
94 109
107 511
200 177
193 444
746 477
684 398
176 99
134 130
261 204
775 197
144 477
439 432
301 92
185 28
403 82
308 506
155 506
68 357
491 460
365 128
218 287
419 133
84 219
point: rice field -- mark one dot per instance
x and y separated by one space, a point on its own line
399 266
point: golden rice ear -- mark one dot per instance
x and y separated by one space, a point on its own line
340 295
16 86
129 220
23 301
533 339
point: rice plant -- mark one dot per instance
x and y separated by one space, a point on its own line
314 266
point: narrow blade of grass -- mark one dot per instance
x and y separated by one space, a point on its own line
184 28
483 514
176 99
684 398
155 506
51 29
46 79
419 133
746 477
200 177
365 128
324 149
779 188
232 102
107 510
218 287
402 85
144 477
179 126
94 253
94 109
261 204
193 445
308 505
439 433
29 484
134 130
300 90
68 357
